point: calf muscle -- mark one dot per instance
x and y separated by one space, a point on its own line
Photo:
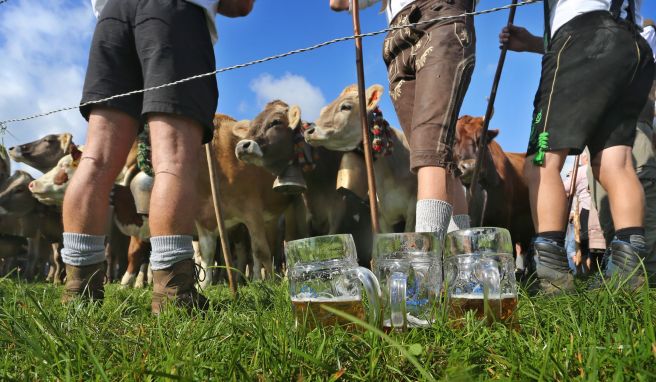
546 192
176 150
86 201
613 168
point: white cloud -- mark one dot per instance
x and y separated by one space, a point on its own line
292 89
43 53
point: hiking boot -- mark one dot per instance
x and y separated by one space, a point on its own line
551 268
86 282
175 285
625 261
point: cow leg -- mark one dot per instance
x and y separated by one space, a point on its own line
135 260
60 269
410 216
260 245
207 245
141 281
51 271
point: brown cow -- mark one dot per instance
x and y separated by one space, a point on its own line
272 141
43 154
338 128
507 203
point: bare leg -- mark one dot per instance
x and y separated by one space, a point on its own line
549 209
176 149
613 168
176 143
86 201
432 183
547 193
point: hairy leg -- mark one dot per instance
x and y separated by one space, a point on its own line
176 149
613 168
546 192
109 139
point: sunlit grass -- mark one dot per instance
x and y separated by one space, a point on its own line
605 335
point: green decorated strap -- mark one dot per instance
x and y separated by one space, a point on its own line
543 145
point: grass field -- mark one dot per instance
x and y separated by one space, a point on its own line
589 336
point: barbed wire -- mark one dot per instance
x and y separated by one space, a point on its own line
4 124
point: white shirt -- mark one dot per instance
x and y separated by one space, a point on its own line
210 7
563 11
649 34
392 7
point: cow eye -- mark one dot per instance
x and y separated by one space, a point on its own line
346 107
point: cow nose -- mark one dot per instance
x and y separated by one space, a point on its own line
246 145
11 148
309 131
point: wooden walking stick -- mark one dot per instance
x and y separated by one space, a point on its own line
368 157
225 243
486 123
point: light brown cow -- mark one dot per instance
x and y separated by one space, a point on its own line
338 128
501 177
247 198
43 154
274 140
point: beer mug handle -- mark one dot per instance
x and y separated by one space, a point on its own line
372 288
397 290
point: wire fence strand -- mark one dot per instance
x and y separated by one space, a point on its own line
4 124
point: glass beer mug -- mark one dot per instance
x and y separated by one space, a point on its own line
479 273
409 268
323 271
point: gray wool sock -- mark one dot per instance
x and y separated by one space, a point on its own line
432 216
168 250
81 249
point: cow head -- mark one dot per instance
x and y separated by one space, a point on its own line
50 187
338 126
15 197
43 154
468 137
268 141
5 164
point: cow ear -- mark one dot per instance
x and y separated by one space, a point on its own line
373 96
349 89
75 153
491 134
66 140
241 128
294 116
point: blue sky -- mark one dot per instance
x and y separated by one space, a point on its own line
44 46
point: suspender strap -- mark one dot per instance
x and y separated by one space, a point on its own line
616 10
547 24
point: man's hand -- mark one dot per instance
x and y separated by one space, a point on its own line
518 39
235 8
339 5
